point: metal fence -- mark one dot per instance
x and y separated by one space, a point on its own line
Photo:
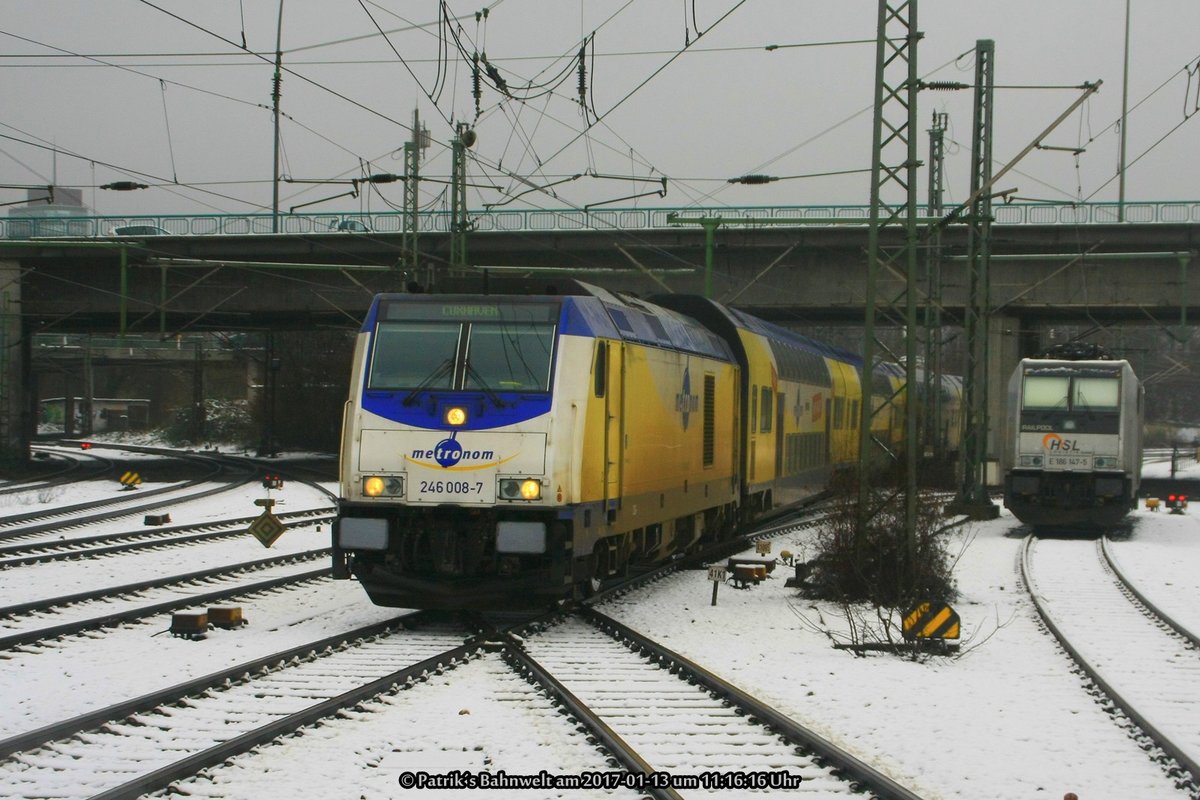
565 219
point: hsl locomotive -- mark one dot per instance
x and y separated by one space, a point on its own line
513 450
1073 445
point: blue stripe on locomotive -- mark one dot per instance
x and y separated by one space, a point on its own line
587 316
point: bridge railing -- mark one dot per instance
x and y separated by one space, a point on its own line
564 219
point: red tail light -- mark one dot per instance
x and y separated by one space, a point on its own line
1170 498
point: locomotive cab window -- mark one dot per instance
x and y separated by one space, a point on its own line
411 354
490 347
1046 392
509 357
1096 394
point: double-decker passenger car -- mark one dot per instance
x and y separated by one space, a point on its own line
1073 442
504 450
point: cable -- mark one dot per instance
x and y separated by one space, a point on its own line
167 122
99 62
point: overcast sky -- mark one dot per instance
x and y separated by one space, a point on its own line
168 96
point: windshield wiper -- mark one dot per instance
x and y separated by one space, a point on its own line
433 376
487 390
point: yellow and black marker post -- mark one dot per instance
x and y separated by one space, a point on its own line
931 621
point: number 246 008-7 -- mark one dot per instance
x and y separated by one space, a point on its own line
451 487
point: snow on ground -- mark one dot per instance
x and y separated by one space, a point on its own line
1006 719
71 676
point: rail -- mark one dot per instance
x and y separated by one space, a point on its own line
30 226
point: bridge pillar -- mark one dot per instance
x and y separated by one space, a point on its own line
1004 352
17 410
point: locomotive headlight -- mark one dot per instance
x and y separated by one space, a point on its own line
516 489
455 416
383 486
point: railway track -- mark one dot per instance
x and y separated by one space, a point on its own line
71 467
1145 664
36 621
708 730
148 742
144 539
678 729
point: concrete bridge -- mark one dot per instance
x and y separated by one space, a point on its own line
166 284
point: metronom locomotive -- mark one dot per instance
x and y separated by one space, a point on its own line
512 450
1072 454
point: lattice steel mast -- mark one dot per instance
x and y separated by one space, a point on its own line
893 207
973 499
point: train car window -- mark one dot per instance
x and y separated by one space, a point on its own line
1045 392
710 419
411 354
766 411
509 357
1096 394
753 409
601 368
854 415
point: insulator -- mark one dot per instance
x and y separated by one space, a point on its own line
582 75
752 179
944 86
476 85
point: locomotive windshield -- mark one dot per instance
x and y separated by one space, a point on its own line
1097 394
1077 393
501 347
1046 392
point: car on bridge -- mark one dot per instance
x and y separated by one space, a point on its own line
139 230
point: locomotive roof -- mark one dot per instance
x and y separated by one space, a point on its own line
711 311
635 320
597 312
1058 366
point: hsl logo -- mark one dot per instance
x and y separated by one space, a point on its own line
685 401
1052 441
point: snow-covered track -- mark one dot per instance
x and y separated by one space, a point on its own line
143 539
1146 670
1136 596
13 633
198 686
148 750
658 713
70 470
120 504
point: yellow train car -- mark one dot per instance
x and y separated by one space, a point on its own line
516 450
800 400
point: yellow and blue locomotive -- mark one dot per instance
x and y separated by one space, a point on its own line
512 450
